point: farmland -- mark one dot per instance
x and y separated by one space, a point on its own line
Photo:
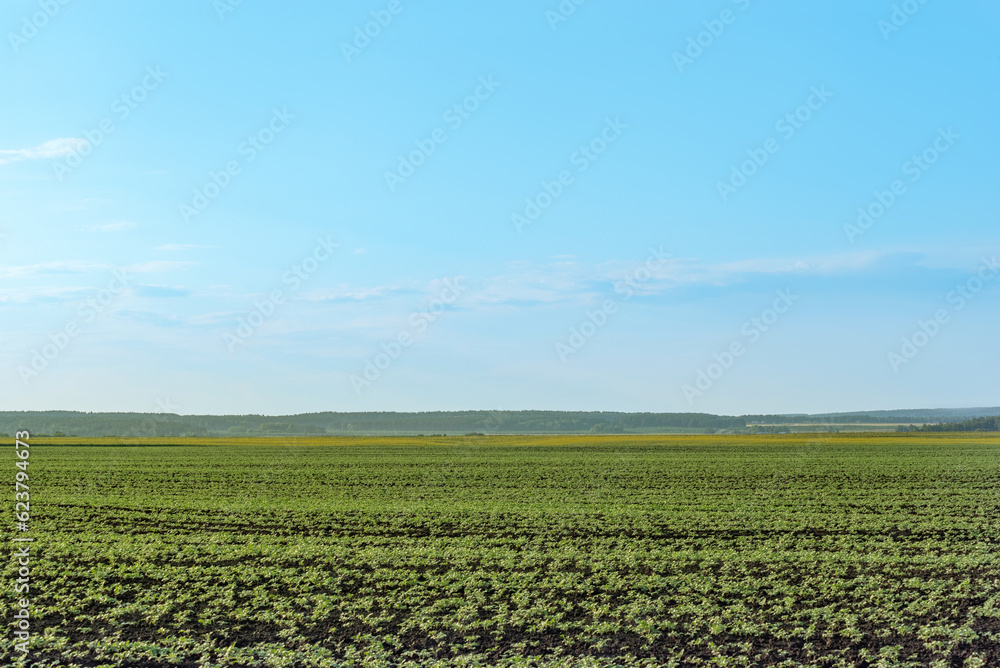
787 550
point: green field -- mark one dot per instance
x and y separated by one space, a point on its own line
821 550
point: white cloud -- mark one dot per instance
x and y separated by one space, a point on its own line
54 148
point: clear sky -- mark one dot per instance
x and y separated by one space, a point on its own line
251 207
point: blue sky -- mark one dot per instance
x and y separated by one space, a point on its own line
289 215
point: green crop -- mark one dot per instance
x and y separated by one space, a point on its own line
877 550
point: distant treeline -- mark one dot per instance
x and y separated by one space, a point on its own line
975 424
878 417
58 423
70 423
860 418
821 419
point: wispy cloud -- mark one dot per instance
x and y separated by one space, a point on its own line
114 227
44 295
160 291
346 293
565 281
825 264
152 318
49 268
62 267
159 266
54 148
537 284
